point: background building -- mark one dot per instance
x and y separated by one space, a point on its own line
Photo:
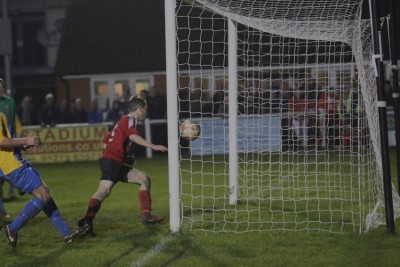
91 49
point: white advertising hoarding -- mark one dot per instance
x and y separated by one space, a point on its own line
255 134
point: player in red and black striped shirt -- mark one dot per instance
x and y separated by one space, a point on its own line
117 160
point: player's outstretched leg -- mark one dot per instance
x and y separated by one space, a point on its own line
31 209
75 232
68 233
82 222
11 237
93 208
145 203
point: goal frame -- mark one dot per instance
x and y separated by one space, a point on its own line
172 110
173 118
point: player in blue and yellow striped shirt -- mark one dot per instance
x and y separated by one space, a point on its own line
7 106
21 174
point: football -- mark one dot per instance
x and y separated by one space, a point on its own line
190 130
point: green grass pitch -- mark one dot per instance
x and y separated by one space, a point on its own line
122 240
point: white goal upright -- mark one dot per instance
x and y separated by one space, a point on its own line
284 91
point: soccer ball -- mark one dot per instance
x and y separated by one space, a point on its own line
190 130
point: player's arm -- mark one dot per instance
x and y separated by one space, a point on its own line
29 141
143 142
105 139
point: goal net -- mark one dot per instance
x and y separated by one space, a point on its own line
289 132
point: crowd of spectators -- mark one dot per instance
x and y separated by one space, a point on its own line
310 116
49 114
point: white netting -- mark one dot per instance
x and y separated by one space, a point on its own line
308 132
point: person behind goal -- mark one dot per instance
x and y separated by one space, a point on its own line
116 164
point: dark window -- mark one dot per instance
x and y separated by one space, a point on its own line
27 51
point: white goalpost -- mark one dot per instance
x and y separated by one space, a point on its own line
284 91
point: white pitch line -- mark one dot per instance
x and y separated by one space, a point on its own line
152 252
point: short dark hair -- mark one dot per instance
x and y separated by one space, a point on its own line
135 103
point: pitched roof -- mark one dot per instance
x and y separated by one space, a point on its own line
103 36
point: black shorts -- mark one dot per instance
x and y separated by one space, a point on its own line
113 171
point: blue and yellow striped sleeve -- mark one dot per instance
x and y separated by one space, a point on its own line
8 161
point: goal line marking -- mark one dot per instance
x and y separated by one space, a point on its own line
152 252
